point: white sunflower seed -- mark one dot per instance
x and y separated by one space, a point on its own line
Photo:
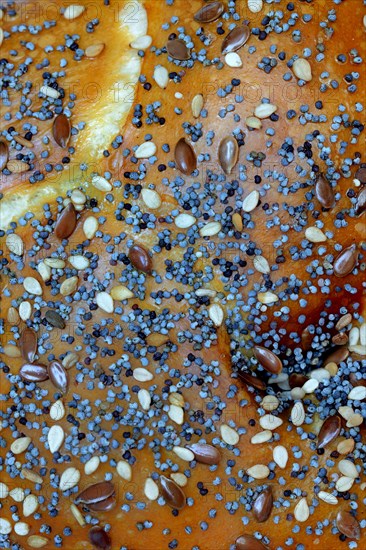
261 437
13 316
69 479
5 526
151 198
11 351
32 476
17 494
49 92
32 286
55 438
77 515
142 375
347 468
363 334
197 105
15 244
270 422
79 262
251 201
327 497
258 471
91 465
232 59
105 302
302 69
141 43
261 264
344 484
253 122
145 150
183 221
216 314
320 374
270 403
70 360
229 435
255 6
121 292
346 446
358 393
90 227
124 470
298 414
4 490
151 489
360 350
297 393
345 412
161 76
57 410
69 286
176 399
310 385
101 183
30 505
44 271
21 528
267 297
301 510
265 110
183 453
77 197
180 479
210 229
144 399
36 541
354 420
55 263
73 11
315 235
176 414
20 445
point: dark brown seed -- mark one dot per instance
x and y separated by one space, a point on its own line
58 376
251 380
54 319
348 525
34 372
330 430
104 505
324 192
140 259
297 380
209 12
185 157
228 154
204 453
357 381
248 542
61 130
337 356
346 261
172 493
28 344
99 538
340 339
268 360
360 207
306 338
235 39
66 222
361 175
177 49
96 493
4 154
263 505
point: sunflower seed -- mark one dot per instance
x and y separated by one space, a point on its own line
183 453
183 221
210 229
347 468
69 479
90 227
265 110
69 286
20 445
355 420
344 484
36 541
176 399
301 510
205 453
298 414
261 264
44 271
363 334
77 515
270 403
263 504
79 262
185 157
280 456
236 38
141 43
251 201
255 6
358 393
310 385
327 497
91 465
142 375
17 494
320 374
302 69
145 150
360 350
21 528
151 489
144 399
345 412
179 479
232 59
32 286
55 438
101 183
151 198
121 292
4 490
49 92
346 446
267 297
229 435
237 221
172 493
197 105
30 505
348 525
209 12
315 235
124 470
216 314
57 410
261 437
13 316
253 122
259 471
228 154
4 154
15 244
5 526
270 422
176 414
161 76
73 11
105 302
93 50
32 476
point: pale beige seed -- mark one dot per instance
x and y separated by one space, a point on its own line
157 339
354 420
21 528
101 183
32 476
360 350
30 505
267 298
216 314
57 410
180 479
13 316
151 489
69 286
301 510
237 221
142 375
270 403
206 292
69 479
55 263
77 197
265 110
344 321
161 76
49 92
358 393
151 198
141 43
258 471
93 50
310 385
121 292
90 227
44 271
73 11
145 150
17 166
298 414
251 201
346 446
22 141
345 412
253 122
183 221
320 374
332 368
36 541
270 422
91 465
17 494
327 497
15 244
302 69
176 414
55 438
124 470
77 515
144 399
183 453
363 334
255 6
261 437
20 445
344 484
32 286
197 105
79 262
233 59
5 526
297 393
11 351
176 399
105 302
210 229
280 456
347 468
315 235
229 435
261 264
4 490
70 360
